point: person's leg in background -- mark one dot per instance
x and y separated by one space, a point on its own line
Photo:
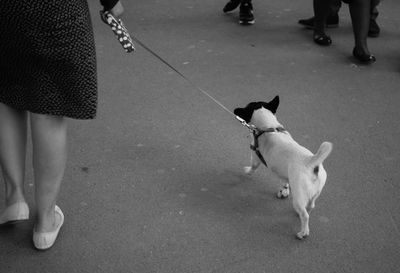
360 11
374 29
333 17
321 12
332 21
246 14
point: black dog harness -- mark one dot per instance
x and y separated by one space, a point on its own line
256 134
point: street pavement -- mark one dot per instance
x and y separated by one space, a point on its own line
155 182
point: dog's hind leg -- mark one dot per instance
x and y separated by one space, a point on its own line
255 163
311 204
304 218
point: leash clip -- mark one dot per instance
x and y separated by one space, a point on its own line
251 127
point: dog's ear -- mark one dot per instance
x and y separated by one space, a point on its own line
244 113
273 104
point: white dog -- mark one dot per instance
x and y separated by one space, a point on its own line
291 162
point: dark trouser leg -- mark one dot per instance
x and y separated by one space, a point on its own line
374 10
374 29
321 12
360 16
335 7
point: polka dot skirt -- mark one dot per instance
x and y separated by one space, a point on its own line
47 57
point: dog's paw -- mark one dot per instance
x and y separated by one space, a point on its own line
248 170
302 235
284 192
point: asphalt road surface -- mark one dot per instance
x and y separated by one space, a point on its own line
155 183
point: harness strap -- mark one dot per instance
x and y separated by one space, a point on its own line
257 133
258 153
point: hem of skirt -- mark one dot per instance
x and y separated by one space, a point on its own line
52 113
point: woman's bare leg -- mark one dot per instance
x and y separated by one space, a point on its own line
49 140
13 138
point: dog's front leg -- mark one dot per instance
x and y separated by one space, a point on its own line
255 163
284 191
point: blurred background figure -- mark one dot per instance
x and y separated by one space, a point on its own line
332 20
360 12
246 14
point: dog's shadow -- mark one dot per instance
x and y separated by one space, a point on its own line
248 203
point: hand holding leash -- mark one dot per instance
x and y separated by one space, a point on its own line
117 10
117 26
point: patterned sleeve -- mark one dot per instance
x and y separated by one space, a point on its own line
108 4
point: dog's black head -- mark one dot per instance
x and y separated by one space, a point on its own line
247 112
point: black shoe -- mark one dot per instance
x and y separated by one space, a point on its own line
308 23
246 16
322 39
374 29
331 22
364 58
231 5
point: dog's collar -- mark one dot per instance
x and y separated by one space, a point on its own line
257 133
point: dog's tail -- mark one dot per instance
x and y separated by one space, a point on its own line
319 157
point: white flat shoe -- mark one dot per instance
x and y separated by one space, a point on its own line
16 212
45 240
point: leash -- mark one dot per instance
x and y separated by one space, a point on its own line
253 129
189 81
256 132
126 40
